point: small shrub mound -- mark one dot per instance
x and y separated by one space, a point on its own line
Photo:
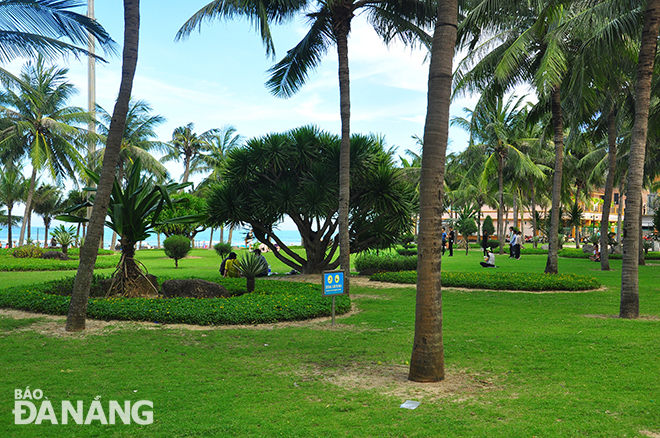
390 263
499 280
275 301
176 247
27 252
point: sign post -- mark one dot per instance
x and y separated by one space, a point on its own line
333 285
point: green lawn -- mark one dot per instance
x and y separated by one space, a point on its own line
518 365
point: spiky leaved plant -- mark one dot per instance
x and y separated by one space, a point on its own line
250 266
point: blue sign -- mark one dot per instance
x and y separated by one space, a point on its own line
333 283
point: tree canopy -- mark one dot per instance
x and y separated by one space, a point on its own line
296 174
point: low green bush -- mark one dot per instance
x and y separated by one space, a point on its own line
575 253
275 301
27 252
388 262
8 263
499 280
407 252
530 250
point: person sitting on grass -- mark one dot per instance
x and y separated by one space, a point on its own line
263 273
489 260
595 257
231 266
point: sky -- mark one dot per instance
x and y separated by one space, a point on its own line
216 78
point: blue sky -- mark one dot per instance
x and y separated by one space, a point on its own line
216 78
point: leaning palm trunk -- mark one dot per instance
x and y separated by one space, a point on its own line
629 307
341 29
80 294
428 362
553 238
609 186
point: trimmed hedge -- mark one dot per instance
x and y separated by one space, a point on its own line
574 253
389 262
499 280
272 302
9 263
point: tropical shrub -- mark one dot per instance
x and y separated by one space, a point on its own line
251 266
176 247
27 251
275 301
64 236
499 280
222 249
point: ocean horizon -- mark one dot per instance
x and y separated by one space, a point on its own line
289 237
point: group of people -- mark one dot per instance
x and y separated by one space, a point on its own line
229 266
515 244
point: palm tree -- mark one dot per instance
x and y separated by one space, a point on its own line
138 139
12 188
29 27
219 142
427 363
36 104
510 45
88 253
495 124
189 147
330 23
48 203
629 306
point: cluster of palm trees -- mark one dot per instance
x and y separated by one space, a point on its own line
42 129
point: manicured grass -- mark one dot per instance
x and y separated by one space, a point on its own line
519 365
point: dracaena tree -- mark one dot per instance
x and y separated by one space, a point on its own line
133 213
329 25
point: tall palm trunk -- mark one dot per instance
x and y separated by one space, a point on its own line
629 307
231 232
211 239
428 361
80 294
534 224
28 205
500 200
10 242
619 216
553 239
609 187
341 28
641 234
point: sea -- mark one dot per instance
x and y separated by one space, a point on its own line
202 239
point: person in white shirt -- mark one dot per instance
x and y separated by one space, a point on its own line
489 260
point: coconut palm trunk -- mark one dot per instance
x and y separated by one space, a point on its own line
609 188
28 205
500 201
80 294
553 238
427 363
629 306
341 28
533 212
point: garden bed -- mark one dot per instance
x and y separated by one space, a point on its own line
499 280
271 302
